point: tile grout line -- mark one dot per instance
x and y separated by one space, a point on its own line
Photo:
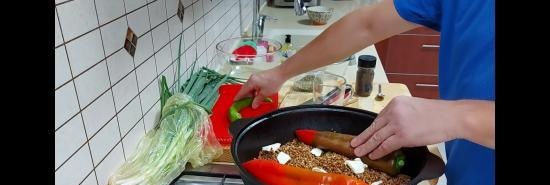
107 56
101 25
135 67
99 130
168 25
89 173
110 87
152 43
179 55
79 107
110 83
139 66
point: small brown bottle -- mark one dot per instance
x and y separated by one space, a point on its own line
365 75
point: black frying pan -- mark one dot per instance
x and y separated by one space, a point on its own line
250 135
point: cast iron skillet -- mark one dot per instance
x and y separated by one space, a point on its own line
249 135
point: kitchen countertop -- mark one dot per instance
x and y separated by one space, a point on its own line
288 20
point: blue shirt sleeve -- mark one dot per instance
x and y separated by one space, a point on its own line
423 12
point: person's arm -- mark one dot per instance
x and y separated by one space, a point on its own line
411 122
357 30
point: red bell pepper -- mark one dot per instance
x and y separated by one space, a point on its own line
272 173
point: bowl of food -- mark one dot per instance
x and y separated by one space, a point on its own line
275 143
319 15
243 56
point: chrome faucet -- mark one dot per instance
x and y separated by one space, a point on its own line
299 7
258 20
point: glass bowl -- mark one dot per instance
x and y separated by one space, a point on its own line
243 65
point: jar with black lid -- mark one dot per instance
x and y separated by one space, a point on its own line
365 75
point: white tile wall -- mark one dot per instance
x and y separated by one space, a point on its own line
197 10
104 141
129 116
125 91
91 84
160 36
70 139
109 164
175 27
113 35
189 36
131 5
62 70
171 7
146 73
151 117
135 20
174 46
144 48
66 104
58 37
77 17
106 100
157 12
85 52
163 59
187 17
132 139
75 169
150 95
90 180
120 64
108 10
98 113
187 3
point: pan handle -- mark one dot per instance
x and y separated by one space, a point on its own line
236 126
434 168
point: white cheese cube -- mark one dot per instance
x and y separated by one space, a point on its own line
317 169
377 183
356 167
283 158
272 147
359 159
316 152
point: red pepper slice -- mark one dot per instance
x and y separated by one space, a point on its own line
272 173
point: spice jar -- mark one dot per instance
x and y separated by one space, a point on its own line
365 75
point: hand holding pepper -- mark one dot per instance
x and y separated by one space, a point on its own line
340 144
240 104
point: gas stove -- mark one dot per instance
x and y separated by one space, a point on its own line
210 174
